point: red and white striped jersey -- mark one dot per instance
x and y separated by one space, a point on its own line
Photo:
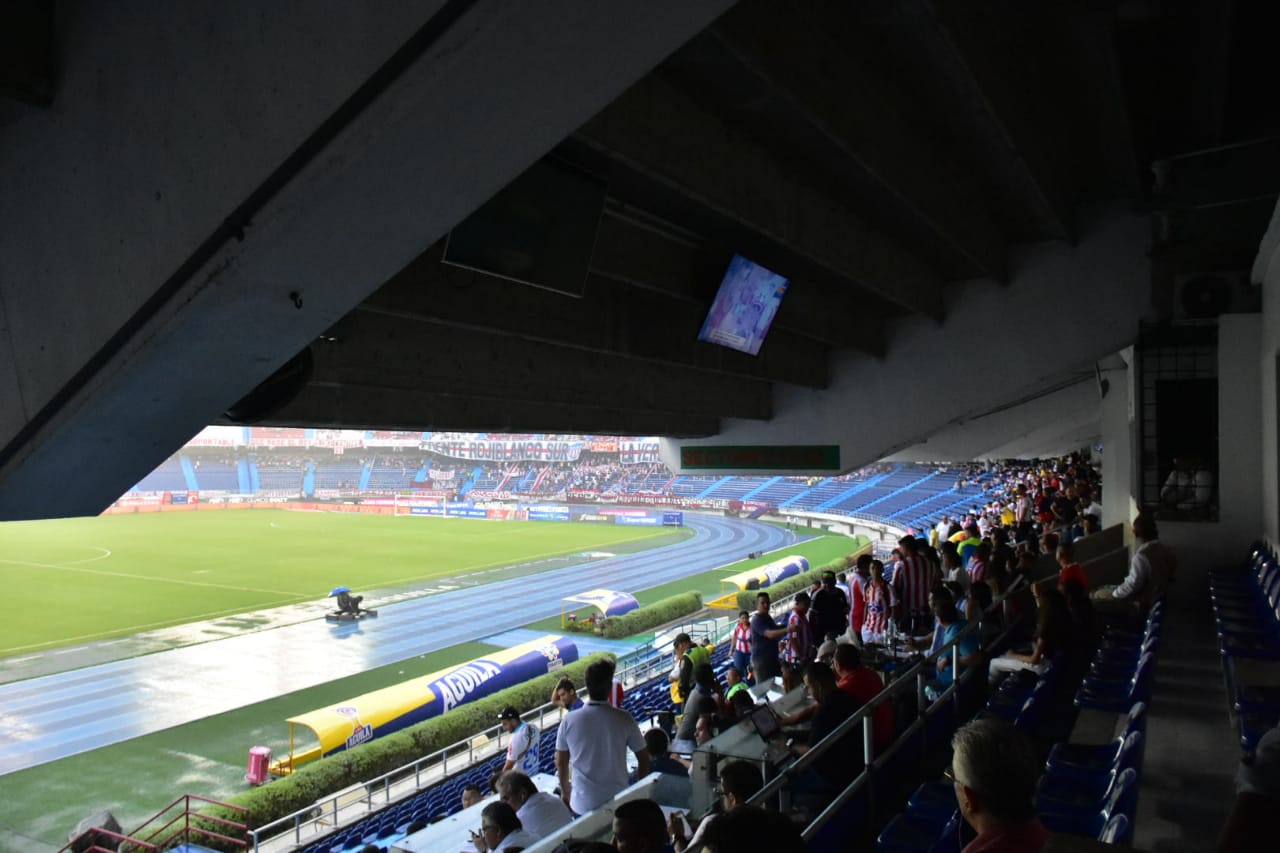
800 643
742 638
911 583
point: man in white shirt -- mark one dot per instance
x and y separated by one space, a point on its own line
591 746
540 813
1150 573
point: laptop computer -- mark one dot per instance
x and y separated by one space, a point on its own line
766 723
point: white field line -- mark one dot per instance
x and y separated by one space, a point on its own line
152 578
124 632
106 552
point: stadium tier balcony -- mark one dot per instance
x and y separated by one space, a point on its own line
336 475
167 478
217 477
689 486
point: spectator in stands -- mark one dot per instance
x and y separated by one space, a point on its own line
970 542
840 761
701 701
740 643
739 782
1086 627
736 685
591 746
1252 817
800 644
501 831
1052 637
830 607
753 828
863 684
689 655
911 584
565 695
952 568
879 599
540 813
471 795
616 692
976 604
1150 573
994 772
764 646
828 649
979 564
659 746
639 826
1091 525
858 597
522 749
1068 568
951 625
1001 553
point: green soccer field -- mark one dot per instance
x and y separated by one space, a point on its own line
86 579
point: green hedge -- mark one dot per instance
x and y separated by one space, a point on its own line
658 613
369 760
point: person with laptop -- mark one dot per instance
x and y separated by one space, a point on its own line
842 760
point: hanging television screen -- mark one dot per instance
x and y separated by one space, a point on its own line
744 306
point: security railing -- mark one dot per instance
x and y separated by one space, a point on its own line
914 678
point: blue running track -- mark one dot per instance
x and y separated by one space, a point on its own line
53 716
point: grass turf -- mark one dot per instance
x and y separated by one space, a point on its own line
118 575
135 778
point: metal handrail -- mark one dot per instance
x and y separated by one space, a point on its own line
916 676
380 787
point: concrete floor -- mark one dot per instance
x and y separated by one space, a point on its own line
1188 779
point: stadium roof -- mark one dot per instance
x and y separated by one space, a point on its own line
961 194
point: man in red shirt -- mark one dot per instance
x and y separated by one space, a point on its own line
863 684
1070 570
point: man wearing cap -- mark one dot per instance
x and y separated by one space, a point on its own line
522 749
688 655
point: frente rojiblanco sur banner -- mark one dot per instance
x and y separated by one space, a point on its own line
508 451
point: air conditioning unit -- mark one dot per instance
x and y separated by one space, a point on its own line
1202 297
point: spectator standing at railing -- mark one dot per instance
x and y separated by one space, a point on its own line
740 642
879 599
831 607
800 643
765 634
522 749
858 597
912 580
591 747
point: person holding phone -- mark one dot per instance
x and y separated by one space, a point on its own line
500 830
